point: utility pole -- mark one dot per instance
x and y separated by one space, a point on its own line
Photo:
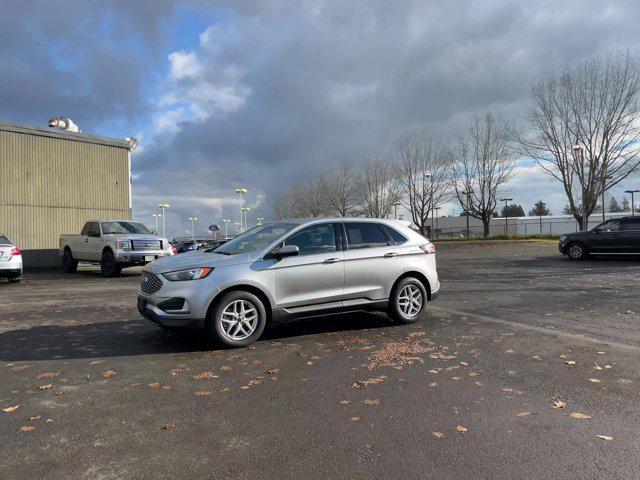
395 211
633 205
163 207
193 221
506 216
240 192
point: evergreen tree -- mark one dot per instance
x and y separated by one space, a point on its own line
539 209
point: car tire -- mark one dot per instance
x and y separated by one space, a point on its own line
576 251
14 279
402 310
108 265
69 264
221 326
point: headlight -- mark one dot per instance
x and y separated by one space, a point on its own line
123 244
191 274
562 238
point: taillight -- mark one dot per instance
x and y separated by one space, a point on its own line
428 248
175 250
15 251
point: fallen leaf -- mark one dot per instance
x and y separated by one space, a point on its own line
108 373
205 374
455 379
45 387
96 362
581 416
605 437
594 380
11 409
370 401
601 353
169 426
35 417
153 385
523 414
510 350
47 375
434 384
345 402
461 429
355 419
433 371
203 393
597 367
438 434
559 404
26 428
464 363
225 368
570 362
49 420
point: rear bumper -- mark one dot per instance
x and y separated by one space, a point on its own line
10 272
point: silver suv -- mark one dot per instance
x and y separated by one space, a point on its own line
292 268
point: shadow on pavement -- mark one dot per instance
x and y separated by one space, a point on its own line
133 337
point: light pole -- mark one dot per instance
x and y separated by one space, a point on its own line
226 225
436 230
467 193
259 220
193 222
395 210
246 223
163 207
156 216
506 214
237 228
633 206
240 192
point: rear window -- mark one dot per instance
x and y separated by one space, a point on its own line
395 235
4 240
365 235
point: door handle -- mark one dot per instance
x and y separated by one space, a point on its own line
331 260
390 254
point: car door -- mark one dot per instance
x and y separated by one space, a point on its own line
93 243
314 279
606 238
372 263
630 236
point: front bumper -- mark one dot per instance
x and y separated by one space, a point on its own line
133 257
151 312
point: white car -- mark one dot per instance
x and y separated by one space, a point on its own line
10 260
114 245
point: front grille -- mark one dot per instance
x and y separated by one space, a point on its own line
150 283
145 245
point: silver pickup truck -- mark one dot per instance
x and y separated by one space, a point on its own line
114 244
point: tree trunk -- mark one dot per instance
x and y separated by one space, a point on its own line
485 227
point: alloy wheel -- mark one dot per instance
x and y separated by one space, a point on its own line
576 251
410 301
239 320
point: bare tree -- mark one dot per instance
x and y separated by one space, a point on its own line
425 176
586 128
379 188
484 163
340 187
303 200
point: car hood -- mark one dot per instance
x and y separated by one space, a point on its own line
195 259
144 237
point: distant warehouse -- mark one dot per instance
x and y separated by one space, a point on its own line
52 181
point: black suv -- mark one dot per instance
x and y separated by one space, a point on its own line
618 236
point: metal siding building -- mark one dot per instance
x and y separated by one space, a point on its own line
53 181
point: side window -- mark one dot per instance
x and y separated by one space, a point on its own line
314 239
395 235
633 225
85 230
94 230
365 235
610 226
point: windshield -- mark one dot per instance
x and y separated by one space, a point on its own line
254 239
109 228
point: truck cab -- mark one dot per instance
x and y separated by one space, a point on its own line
114 245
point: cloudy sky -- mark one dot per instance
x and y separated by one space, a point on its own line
266 94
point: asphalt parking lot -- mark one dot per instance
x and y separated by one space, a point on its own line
528 367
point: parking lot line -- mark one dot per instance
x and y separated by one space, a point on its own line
547 331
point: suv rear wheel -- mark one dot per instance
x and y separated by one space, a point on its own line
408 300
238 319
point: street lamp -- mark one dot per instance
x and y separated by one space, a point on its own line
395 210
226 224
467 193
240 192
193 222
156 216
163 207
633 206
246 223
259 220
506 214
237 228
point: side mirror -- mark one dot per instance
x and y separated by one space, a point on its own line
286 251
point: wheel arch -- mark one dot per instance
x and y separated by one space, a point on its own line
243 287
415 274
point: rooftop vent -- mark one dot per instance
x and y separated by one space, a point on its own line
63 123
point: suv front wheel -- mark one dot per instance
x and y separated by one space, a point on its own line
238 319
408 300
576 251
